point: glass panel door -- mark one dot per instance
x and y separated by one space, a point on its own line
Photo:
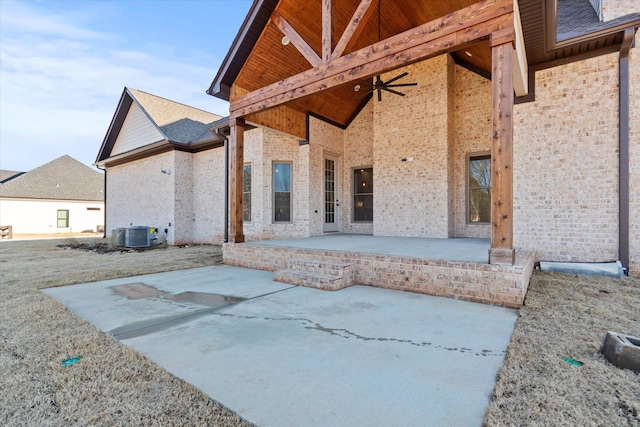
330 196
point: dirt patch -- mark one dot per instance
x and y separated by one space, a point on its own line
111 384
104 247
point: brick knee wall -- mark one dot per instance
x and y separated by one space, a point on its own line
490 284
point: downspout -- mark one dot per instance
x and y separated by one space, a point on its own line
104 220
226 182
623 176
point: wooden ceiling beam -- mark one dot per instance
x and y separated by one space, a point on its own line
442 35
295 38
354 28
327 27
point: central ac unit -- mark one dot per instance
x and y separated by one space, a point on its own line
139 237
117 237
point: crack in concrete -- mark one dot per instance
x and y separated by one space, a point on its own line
347 334
150 326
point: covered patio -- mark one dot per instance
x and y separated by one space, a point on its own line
353 51
454 268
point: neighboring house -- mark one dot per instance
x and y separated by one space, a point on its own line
62 196
522 128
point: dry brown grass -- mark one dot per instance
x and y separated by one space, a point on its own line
112 384
568 316
564 316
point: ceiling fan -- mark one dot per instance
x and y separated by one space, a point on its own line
380 85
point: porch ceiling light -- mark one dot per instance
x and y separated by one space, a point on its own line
469 54
285 41
356 88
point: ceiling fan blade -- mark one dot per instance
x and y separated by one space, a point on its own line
379 94
365 93
402 84
398 77
393 91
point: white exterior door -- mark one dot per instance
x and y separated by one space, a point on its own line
331 195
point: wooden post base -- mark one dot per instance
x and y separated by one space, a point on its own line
237 239
502 256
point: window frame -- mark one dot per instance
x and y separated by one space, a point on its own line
250 193
66 219
273 191
482 155
355 194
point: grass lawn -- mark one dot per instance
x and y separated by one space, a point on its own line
567 316
564 316
112 384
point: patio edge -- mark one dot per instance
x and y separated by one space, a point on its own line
484 283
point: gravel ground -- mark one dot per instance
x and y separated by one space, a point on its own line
564 316
111 385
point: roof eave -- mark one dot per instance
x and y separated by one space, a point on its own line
116 121
149 149
159 147
242 45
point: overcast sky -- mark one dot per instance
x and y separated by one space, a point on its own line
64 64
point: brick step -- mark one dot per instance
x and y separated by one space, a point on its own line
329 276
323 267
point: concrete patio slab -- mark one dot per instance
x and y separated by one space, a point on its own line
300 356
458 249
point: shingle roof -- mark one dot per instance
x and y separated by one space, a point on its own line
64 178
8 175
179 122
578 17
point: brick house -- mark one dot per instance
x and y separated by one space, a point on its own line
521 128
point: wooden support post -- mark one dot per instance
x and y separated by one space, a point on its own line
236 165
501 251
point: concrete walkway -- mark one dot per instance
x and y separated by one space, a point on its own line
292 356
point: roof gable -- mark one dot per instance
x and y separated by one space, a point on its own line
142 119
137 131
64 178
259 59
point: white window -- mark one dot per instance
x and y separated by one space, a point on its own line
63 218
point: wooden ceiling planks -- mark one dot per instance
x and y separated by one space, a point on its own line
271 62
